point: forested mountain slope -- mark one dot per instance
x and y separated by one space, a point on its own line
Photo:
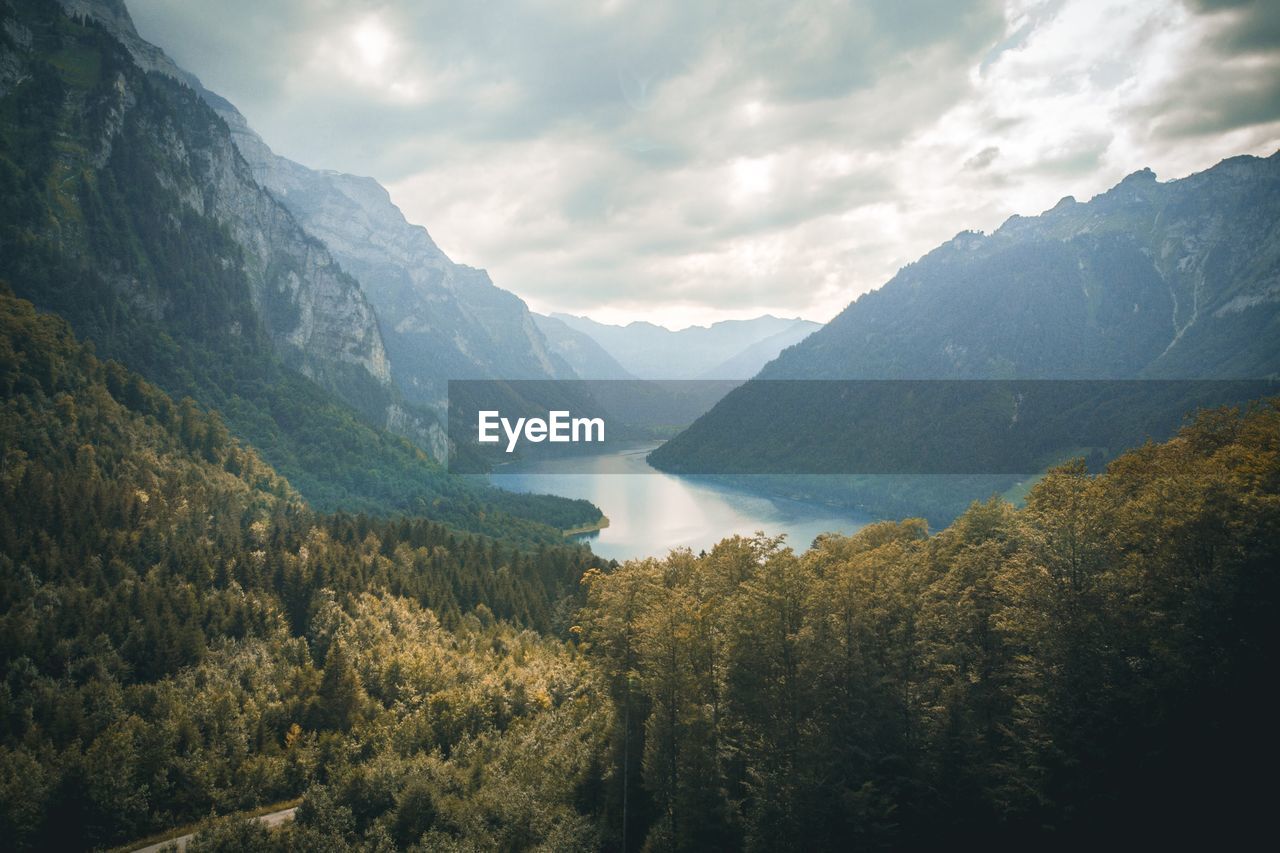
442 320
1083 671
185 631
180 633
1147 280
127 209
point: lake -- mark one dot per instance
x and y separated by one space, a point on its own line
651 512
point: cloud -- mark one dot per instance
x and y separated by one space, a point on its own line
1253 26
982 159
684 162
1232 83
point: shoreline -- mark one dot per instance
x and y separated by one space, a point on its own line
596 526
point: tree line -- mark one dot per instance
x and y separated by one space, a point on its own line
1090 666
181 635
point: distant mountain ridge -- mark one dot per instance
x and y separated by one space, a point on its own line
1149 280
588 359
752 360
649 351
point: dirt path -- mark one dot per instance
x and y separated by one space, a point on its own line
180 843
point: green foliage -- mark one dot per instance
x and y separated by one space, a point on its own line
105 219
232 835
179 633
1145 281
1073 670
180 636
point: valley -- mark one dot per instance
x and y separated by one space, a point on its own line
312 538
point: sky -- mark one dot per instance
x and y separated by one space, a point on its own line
685 162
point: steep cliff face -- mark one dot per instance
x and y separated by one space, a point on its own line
314 311
126 207
441 320
312 308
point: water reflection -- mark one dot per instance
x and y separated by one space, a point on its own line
651 512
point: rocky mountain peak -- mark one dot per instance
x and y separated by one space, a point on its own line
115 19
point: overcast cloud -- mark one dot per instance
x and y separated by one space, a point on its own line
687 162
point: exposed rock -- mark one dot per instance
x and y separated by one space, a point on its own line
442 320
315 312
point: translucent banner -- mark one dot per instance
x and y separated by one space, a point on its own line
797 427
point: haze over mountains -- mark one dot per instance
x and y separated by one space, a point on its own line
1149 280
236 587
588 359
1146 280
442 320
1179 279
730 349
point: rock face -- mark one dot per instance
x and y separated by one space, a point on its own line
127 209
311 305
1149 279
441 320
323 323
315 312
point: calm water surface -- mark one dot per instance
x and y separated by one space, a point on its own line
651 512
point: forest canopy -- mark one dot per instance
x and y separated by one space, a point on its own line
1089 666
181 635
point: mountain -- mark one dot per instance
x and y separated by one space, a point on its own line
749 361
184 640
587 358
441 320
315 313
1148 280
126 207
649 351
159 572
126 466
